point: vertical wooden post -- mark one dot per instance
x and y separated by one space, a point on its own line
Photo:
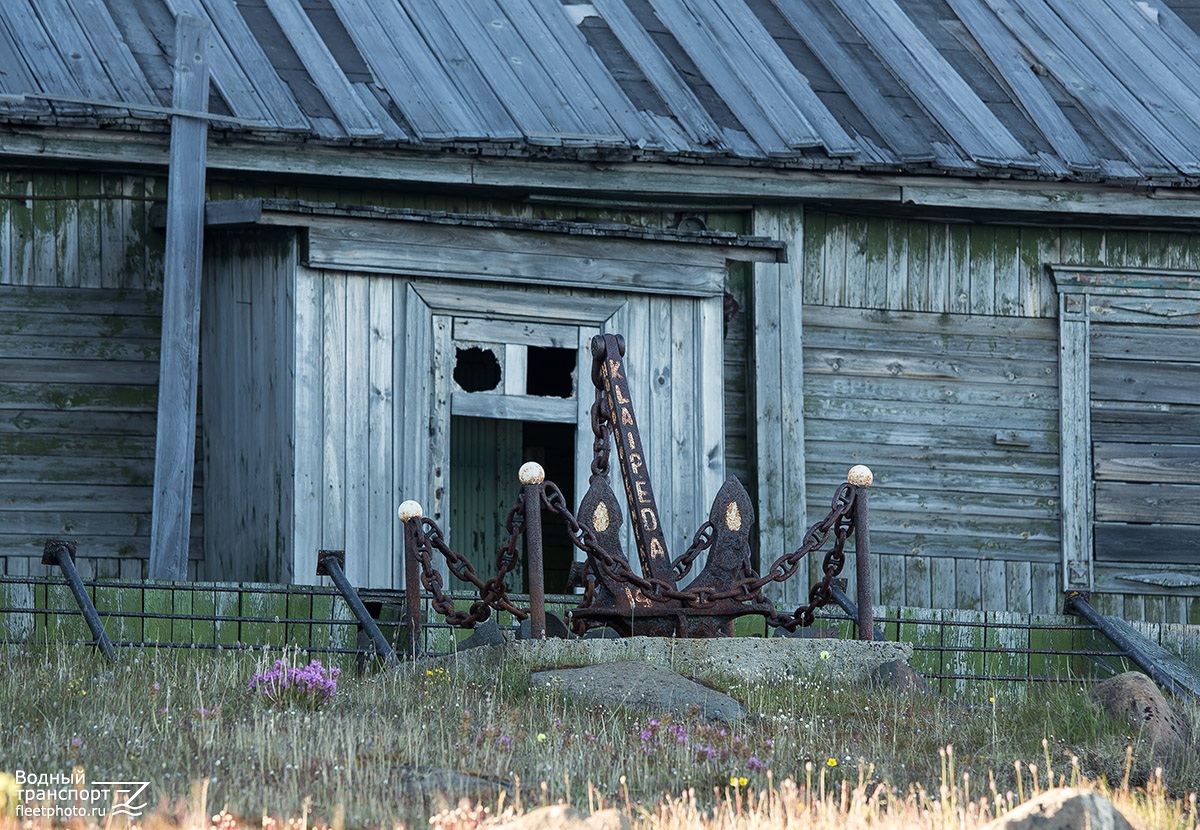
532 477
410 513
860 476
174 453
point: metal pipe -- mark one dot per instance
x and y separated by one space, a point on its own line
62 553
532 477
860 476
331 563
847 605
1077 603
410 513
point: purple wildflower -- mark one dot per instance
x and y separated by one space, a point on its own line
311 686
755 765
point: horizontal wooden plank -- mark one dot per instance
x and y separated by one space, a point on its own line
545 335
1145 381
70 468
101 346
966 439
1159 424
1122 501
929 343
1139 342
1148 579
891 365
833 318
142 373
78 397
343 251
1175 544
981 482
515 407
1151 310
959 545
956 505
25 422
15 444
71 524
1165 463
85 301
92 545
999 419
71 326
532 305
931 392
825 446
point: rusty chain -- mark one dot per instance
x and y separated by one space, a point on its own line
492 594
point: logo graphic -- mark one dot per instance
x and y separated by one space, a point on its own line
124 794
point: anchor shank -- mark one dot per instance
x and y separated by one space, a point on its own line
607 352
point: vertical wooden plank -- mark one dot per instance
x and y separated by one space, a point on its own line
707 333
853 284
357 447
1020 587
983 269
45 256
204 631
20 218
875 287
181 606
779 393
821 254
959 657
937 295
1155 609
308 424
17 625
174 457
960 269
299 607
966 584
667 383
889 580
413 428
66 230
89 234
943 593
897 264
380 553
1078 508
6 242
438 444
333 402
157 602
1009 302
1047 591
1012 659
918 249
993 585
916 581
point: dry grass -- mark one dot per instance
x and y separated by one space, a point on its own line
812 754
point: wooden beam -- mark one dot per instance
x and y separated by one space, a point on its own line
174 456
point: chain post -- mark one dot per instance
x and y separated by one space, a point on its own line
532 477
410 513
861 477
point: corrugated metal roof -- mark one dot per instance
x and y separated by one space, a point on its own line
1085 90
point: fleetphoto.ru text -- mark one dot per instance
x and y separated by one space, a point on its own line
62 795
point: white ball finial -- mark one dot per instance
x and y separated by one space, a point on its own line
409 510
531 472
860 475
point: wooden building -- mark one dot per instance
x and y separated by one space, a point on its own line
956 240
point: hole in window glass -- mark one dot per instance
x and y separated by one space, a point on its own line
550 372
476 370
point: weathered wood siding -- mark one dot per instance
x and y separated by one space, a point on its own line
931 354
246 381
80 276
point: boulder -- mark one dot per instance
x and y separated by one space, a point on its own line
1066 808
1134 698
484 635
643 685
898 675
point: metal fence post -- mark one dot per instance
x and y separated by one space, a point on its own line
410 512
861 477
62 553
331 563
532 476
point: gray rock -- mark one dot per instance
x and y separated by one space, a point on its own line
898 675
1133 698
485 634
562 817
1067 808
440 788
555 628
644 685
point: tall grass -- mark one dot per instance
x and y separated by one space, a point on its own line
818 749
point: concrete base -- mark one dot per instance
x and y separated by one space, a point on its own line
753 659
